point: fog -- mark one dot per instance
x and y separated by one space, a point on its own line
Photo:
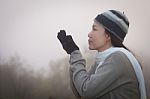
28 29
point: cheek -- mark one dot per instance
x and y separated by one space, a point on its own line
99 40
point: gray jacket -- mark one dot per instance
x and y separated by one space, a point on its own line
114 79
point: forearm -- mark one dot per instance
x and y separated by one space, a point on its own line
77 67
77 58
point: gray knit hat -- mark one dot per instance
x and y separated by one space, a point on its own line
115 22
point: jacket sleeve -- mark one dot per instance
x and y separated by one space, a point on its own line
95 85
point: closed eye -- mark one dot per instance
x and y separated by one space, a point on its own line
94 28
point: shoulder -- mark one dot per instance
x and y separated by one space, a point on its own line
118 60
118 56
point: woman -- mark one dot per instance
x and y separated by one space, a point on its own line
116 74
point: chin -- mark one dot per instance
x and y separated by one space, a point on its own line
90 48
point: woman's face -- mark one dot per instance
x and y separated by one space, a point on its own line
98 39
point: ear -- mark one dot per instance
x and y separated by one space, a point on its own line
107 36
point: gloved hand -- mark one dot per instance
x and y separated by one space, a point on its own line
67 42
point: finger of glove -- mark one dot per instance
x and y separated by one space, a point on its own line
62 36
70 39
71 42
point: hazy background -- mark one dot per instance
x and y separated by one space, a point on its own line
28 30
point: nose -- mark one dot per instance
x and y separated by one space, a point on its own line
89 34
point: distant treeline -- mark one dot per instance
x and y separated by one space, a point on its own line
19 82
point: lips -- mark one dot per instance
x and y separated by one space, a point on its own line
89 41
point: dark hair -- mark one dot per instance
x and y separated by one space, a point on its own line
116 42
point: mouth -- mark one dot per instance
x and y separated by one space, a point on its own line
89 42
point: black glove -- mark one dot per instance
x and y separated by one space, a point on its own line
67 42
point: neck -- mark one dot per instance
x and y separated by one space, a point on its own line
101 49
102 55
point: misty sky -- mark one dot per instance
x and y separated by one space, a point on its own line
28 28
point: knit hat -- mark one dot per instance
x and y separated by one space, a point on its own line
115 22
